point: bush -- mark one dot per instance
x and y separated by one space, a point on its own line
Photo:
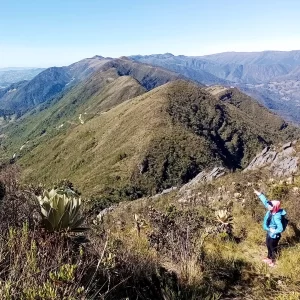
279 191
18 205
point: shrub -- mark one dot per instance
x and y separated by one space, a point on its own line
17 206
279 191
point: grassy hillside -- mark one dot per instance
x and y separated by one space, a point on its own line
253 110
89 98
47 85
145 144
119 142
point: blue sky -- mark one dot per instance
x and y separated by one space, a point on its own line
44 33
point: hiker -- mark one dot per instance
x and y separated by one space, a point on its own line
273 224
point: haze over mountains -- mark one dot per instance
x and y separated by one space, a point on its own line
270 76
123 129
13 75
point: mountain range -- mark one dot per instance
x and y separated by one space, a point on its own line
113 130
270 76
47 85
120 129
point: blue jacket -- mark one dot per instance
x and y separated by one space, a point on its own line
275 220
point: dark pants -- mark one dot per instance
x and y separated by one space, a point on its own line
272 245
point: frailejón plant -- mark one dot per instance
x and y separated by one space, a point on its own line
223 216
60 212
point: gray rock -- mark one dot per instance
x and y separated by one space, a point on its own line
265 150
204 176
265 157
282 162
286 145
105 211
173 188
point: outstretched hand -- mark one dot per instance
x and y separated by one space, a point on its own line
256 192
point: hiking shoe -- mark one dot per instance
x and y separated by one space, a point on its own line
271 264
267 260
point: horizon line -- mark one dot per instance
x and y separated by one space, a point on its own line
20 68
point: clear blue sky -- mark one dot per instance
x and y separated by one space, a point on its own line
59 32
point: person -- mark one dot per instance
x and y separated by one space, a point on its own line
273 225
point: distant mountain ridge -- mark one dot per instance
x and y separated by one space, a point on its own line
250 71
51 82
48 84
245 67
270 76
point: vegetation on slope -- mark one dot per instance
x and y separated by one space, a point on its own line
153 248
13 75
160 139
90 98
222 259
48 86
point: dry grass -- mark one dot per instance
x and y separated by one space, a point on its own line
169 258
238 258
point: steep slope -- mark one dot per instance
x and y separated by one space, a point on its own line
8 94
237 67
48 84
293 75
282 97
41 88
150 77
89 98
252 109
228 214
288 58
256 67
115 81
154 141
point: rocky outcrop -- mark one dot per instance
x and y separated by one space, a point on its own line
283 161
204 176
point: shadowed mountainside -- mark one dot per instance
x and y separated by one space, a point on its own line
47 85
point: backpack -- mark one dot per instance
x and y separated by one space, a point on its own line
284 222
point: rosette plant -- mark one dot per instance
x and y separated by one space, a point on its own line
60 211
